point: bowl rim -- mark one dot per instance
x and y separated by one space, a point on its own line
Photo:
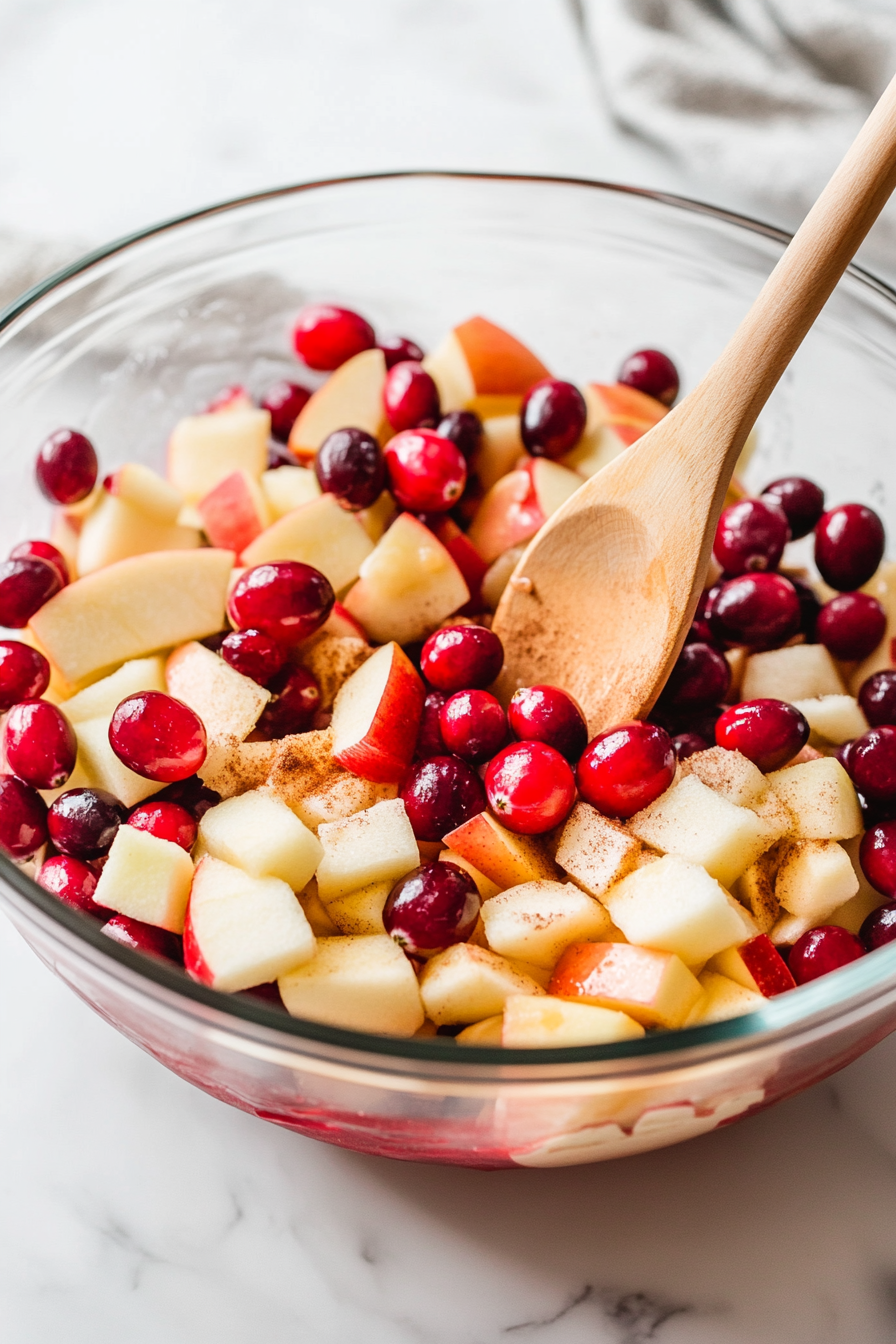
807 1008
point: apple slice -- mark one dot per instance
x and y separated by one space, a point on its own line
799 672
342 623
362 984
722 999
133 608
506 859
146 878
727 773
815 878
288 488
655 988
820 796
409 584
116 529
500 451
617 416
376 717
531 1023
102 698
228 703
203 449
675 906
103 769
351 397
465 556
331 660
360 914
755 889
481 367
231 767
234 512
519 504
261 835
757 965
468 983
145 490
535 922
377 845
836 718
321 534
595 851
487 1032
322 925
232 398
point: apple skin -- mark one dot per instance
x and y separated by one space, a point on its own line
521 502
343 625
376 717
766 965
506 859
465 556
352 395
655 988
194 963
234 512
617 417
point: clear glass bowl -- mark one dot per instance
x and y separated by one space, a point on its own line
136 335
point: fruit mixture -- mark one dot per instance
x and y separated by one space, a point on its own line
253 721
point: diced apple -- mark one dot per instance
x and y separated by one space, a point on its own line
519 504
116 529
465 555
498 575
821 798
815 877
757 965
361 913
595 851
487 1032
379 517
321 924
228 703
531 1022
836 718
774 813
800 672
261 835
332 659
288 488
145 490
103 697
506 859
500 450
722 999
617 416
234 512
787 928
377 845
728 773
695 823
146 878
64 535
203 449
467 983
480 367
882 585
321 534
408 585
853 913
484 885
755 889
342 796
675 906
232 398
232 767
104 769
362 984
655 988
352 395
343 625
536 921
376 717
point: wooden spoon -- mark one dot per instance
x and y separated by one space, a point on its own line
602 598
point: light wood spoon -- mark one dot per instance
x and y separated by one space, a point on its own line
602 599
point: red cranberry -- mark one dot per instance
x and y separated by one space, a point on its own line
40 744
190 794
72 881
24 673
253 654
25 585
296 700
652 372
530 787
801 500
463 428
768 732
877 697
877 855
474 726
879 928
427 473
84 822
350 465
760 610
66 467
42 550
166 821
821 950
751 535
849 546
552 418
623 770
701 677
23 818
872 764
429 738
410 397
325 336
397 349
284 599
140 937
700 633
157 736
462 657
284 401
440 794
547 714
810 608
688 744
851 625
432 908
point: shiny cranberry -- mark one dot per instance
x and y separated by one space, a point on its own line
809 609
547 714
701 676
296 700
851 625
462 657
625 769
440 794
432 908
427 473
25 585
688 744
284 599
253 654
821 950
40 744
429 738
768 732
700 633
877 855
350 465
325 336
397 349
474 726
877 696
701 721
42 550
530 787
84 822
463 428
140 937
849 546
760 610
284 401
872 764
166 821
879 928
23 818
652 372
410 396
801 500
190 794
24 673
552 418
66 467
157 736
751 535
72 881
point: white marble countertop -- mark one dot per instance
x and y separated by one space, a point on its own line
135 1208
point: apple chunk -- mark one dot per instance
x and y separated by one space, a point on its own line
675 906
320 533
722 999
728 773
519 504
595 851
360 983
468 983
377 845
815 878
800 672
536 921
757 965
104 769
481 367
821 797
102 698
203 449
352 395
288 488
506 859
228 703
261 835
234 512
655 988
531 1022
146 878
116 528
408 585
376 716
617 416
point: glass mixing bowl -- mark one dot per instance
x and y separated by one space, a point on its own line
136 335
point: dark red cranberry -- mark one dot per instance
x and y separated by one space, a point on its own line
768 732
284 599
700 633
879 928
284 401
429 738
267 993
166 821
462 657
432 908
751 535
760 610
280 456
877 697
427 473
190 794
215 643
801 500
474 726
42 550
821 950
851 625
877 855
701 676
652 372
84 822
24 673
410 396
66 467
253 654
72 881
157 736
530 787
140 937
23 819
40 744
849 546
440 794
552 418
688 744
296 700
624 769
325 336
463 428
350 465
809 609
25 585
547 714
872 764
701 721
397 349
